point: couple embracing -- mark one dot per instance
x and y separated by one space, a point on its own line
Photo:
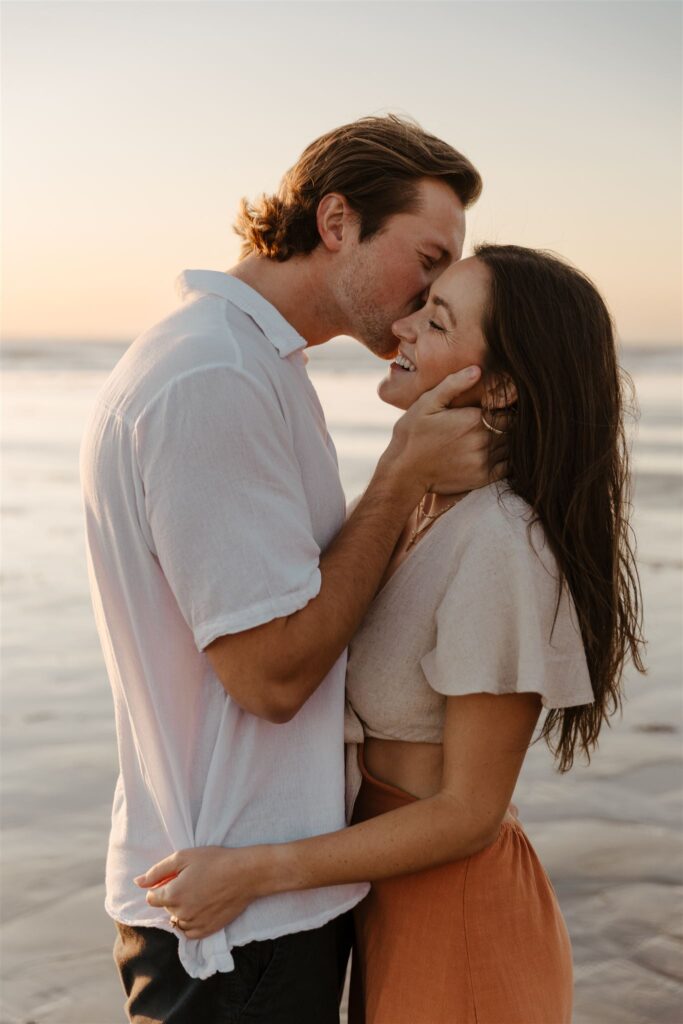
322 713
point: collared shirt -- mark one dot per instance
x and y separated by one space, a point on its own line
210 488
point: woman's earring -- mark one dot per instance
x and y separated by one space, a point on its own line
489 426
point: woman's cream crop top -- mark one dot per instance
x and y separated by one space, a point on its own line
471 609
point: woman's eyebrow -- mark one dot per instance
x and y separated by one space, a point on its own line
438 301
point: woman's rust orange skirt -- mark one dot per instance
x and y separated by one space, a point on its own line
478 941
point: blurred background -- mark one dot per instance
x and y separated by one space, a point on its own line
129 133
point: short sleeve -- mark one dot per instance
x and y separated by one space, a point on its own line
224 499
496 630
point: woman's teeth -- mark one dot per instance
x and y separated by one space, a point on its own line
402 361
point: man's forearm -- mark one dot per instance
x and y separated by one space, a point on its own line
272 669
351 570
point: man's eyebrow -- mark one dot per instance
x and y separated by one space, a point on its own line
438 301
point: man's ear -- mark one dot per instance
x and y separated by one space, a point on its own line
499 392
334 217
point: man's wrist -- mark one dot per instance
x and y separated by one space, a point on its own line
393 477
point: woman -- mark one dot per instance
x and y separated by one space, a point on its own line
496 604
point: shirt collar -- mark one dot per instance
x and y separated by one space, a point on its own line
214 282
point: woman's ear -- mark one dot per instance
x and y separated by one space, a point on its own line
499 392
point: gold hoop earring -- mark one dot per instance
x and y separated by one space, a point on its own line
490 427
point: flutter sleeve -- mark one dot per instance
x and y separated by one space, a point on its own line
496 630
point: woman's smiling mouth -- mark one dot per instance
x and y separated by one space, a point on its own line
405 363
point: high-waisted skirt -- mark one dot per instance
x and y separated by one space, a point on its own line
477 941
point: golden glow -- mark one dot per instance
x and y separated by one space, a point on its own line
131 131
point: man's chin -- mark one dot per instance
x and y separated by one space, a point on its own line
383 348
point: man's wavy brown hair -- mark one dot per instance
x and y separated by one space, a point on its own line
549 331
375 163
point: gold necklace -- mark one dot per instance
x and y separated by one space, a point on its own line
430 517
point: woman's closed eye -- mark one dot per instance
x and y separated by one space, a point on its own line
436 327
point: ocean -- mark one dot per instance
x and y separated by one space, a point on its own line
609 834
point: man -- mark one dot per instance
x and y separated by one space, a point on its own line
226 585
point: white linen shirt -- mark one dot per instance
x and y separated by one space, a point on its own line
210 487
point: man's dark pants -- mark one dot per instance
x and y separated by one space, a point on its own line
296 979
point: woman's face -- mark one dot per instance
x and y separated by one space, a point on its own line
441 338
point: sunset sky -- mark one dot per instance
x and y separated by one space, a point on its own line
131 130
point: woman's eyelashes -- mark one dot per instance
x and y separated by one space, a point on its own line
436 327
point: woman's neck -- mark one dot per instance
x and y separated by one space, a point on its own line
435 503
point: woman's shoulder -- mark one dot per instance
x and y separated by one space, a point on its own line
502 523
498 510
499 502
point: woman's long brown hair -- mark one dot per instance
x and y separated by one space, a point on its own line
549 331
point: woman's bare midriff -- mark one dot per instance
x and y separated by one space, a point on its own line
413 767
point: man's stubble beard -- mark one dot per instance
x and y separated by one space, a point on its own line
368 322
373 332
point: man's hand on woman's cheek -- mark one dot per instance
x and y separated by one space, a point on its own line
448 449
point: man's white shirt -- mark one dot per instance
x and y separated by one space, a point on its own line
210 488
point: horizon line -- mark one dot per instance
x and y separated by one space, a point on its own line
81 339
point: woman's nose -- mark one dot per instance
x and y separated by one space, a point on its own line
403 329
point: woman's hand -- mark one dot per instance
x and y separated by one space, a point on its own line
204 888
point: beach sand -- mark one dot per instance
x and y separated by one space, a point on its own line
609 835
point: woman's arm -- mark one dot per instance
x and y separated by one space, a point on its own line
485 739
